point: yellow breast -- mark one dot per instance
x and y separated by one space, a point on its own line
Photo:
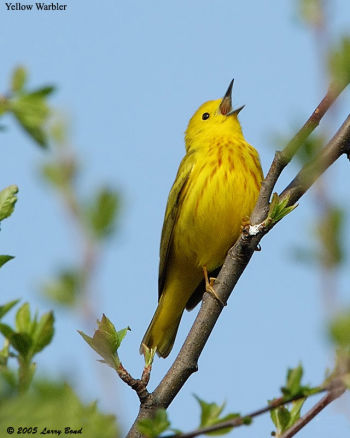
222 189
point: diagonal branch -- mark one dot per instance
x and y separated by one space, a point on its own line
239 256
282 158
337 146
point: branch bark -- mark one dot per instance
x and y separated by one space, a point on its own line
138 385
239 255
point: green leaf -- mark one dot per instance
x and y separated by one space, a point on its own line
247 421
4 259
23 320
278 209
54 403
37 133
209 412
295 411
38 334
283 418
60 173
6 330
293 386
19 79
32 112
65 289
148 354
339 62
106 341
4 107
340 329
8 200
30 336
4 355
44 331
7 307
30 109
153 427
22 342
210 415
280 417
43 91
102 213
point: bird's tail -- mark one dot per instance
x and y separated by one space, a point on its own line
162 330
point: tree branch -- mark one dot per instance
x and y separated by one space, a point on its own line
316 409
338 389
138 385
282 158
239 256
336 147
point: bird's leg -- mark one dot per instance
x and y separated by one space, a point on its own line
209 286
212 281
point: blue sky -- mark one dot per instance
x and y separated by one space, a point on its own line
129 77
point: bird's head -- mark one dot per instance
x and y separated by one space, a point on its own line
215 118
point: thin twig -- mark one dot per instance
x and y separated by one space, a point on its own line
138 385
242 420
322 194
337 388
316 409
90 247
282 158
337 146
146 374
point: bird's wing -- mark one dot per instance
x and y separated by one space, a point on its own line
171 214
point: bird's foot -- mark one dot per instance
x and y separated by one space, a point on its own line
209 287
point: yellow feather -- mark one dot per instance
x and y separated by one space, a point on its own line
215 188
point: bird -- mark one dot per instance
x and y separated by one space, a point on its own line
215 189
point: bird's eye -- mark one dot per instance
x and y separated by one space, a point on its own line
205 116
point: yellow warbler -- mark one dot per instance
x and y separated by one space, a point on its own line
216 186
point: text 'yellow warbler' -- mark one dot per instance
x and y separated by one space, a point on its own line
216 186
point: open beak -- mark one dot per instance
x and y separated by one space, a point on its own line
225 106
